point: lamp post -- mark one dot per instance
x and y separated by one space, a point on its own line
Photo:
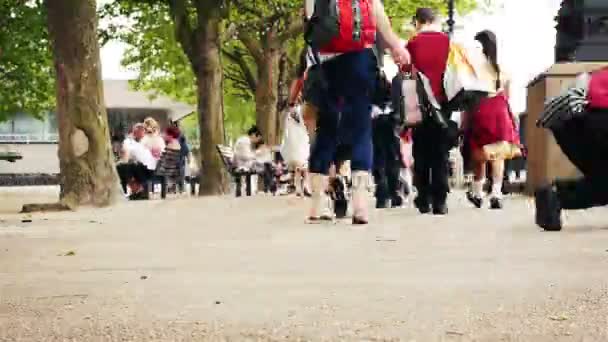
451 21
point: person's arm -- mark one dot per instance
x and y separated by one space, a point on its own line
294 91
383 24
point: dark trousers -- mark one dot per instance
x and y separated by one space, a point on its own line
431 154
134 171
387 158
344 113
585 142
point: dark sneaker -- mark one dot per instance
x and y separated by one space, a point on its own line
475 200
359 221
548 209
340 208
381 204
422 206
397 202
440 210
495 203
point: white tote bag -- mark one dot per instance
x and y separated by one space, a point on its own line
295 148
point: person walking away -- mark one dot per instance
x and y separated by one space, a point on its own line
295 148
491 130
348 65
387 160
306 87
184 153
429 50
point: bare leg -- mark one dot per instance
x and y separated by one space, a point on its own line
498 170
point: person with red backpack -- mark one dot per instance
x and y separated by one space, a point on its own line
341 35
584 140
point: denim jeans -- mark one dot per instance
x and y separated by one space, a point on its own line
345 112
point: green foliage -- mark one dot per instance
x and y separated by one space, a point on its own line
26 67
401 12
163 66
239 115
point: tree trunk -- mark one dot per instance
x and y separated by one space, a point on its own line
266 95
210 111
283 91
88 175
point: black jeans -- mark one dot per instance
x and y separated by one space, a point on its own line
387 158
584 141
136 171
431 169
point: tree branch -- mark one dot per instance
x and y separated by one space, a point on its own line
243 6
253 46
183 28
240 61
295 28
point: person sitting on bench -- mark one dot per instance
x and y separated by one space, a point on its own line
137 164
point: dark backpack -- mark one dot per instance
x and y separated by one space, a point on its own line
340 26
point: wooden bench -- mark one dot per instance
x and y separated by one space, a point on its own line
227 156
10 157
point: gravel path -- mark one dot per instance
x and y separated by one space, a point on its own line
224 269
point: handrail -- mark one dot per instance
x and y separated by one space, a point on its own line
29 138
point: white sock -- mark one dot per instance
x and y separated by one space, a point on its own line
497 189
478 188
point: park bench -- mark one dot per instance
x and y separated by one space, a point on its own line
10 157
227 156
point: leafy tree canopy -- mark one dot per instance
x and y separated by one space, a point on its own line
26 67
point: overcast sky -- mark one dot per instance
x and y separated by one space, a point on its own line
525 30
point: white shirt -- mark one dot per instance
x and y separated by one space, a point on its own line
154 142
139 153
377 111
243 153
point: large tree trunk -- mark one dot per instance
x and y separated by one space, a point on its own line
283 91
266 95
88 175
210 111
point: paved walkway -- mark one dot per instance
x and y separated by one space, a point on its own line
250 269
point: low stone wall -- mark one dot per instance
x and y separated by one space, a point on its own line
28 179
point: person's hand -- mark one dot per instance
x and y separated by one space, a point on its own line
400 55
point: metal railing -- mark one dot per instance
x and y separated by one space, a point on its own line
28 138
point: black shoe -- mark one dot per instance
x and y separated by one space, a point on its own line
340 208
422 206
397 202
475 200
548 209
359 221
440 209
495 203
381 204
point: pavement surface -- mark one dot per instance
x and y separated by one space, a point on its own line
225 269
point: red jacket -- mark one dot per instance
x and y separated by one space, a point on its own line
429 51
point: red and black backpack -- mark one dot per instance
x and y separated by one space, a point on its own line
341 26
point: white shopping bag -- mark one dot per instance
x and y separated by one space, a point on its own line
295 148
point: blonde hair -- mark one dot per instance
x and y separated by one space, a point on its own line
151 125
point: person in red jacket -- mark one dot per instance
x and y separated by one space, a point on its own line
429 50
